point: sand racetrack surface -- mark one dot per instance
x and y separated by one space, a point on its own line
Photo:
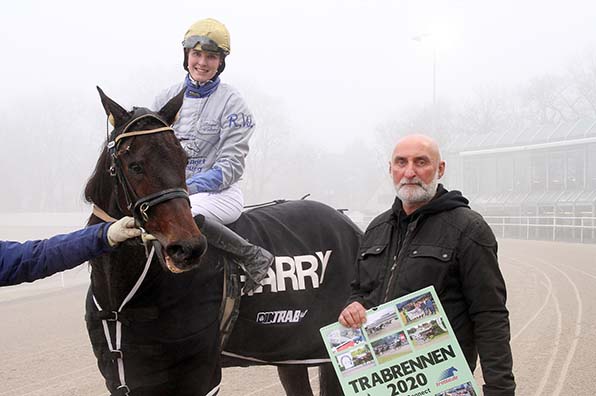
552 293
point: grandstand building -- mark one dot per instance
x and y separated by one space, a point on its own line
536 183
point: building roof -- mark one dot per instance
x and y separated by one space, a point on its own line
565 131
535 198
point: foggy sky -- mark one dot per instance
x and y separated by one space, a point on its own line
334 69
336 64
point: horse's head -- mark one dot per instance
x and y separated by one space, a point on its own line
141 173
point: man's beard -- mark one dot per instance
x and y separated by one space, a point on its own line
420 192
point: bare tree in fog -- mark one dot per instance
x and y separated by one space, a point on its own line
547 99
551 99
583 79
283 165
488 111
267 168
413 120
50 152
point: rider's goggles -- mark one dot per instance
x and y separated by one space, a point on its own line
206 44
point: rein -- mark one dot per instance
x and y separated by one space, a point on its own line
101 214
115 348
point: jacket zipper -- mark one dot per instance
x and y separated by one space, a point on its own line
391 273
396 257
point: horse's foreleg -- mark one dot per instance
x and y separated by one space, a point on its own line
295 380
329 384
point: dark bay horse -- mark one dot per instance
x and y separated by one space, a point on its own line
155 328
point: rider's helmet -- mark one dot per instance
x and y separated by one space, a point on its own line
207 35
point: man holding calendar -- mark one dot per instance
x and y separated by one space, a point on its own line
430 236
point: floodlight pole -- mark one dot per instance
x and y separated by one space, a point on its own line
434 126
419 38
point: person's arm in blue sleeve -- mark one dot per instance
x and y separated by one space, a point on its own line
32 260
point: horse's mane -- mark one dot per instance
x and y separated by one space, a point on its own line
98 190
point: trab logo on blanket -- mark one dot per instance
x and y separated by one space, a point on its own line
295 273
291 316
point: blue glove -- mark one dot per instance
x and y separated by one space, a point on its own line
209 181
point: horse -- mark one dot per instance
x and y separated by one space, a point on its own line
156 329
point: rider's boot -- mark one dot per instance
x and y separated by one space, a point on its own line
254 260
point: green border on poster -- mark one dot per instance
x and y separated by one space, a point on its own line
406 347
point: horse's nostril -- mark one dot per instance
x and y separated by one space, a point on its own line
186 250
175 251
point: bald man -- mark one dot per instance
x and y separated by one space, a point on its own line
430 236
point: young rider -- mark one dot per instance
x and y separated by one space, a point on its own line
214 126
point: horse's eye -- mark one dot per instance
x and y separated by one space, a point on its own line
136 168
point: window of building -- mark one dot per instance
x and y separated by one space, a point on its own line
521 173
538 170
591 168
556 172
488 174
575 170
506 172
471 176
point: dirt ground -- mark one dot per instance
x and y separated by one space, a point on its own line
551 287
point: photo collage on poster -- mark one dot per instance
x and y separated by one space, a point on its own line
405 345
392 332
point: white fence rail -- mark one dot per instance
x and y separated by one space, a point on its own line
555 228
580 229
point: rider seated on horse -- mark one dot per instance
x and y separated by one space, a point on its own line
214 126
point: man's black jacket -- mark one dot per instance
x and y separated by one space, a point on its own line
447 245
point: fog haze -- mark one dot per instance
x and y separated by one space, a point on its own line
323 77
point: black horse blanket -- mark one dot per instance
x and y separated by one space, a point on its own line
315 249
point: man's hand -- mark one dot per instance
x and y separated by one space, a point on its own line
354 315
121 230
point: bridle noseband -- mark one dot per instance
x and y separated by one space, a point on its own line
139 207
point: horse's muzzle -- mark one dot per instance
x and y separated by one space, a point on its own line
185 255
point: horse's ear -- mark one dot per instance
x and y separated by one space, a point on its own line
170 110
114 111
